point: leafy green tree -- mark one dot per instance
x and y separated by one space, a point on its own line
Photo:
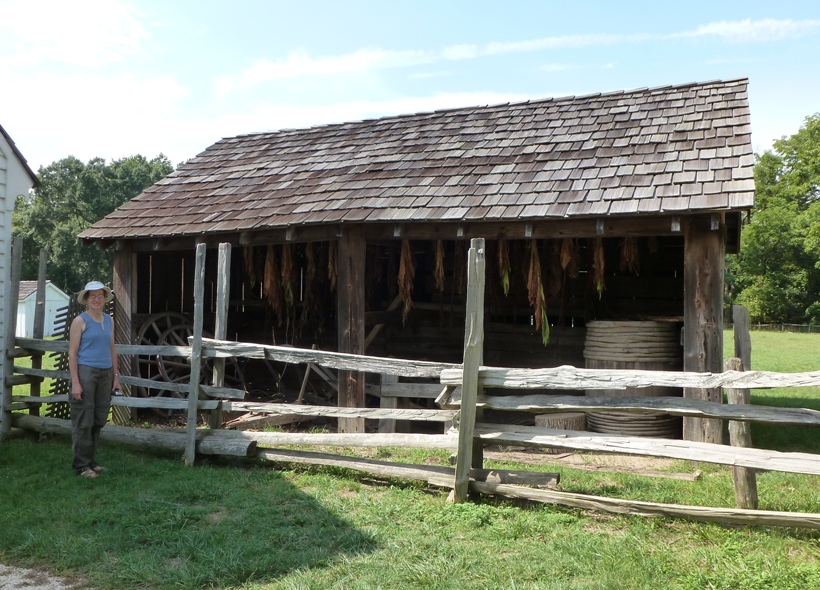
777 274
71 197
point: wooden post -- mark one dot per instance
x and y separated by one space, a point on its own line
125 296
473 353
223 295
196 355
704 250
39 326
743 339
740 435
350 302
12 294
388 402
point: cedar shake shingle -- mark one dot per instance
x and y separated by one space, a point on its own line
683 148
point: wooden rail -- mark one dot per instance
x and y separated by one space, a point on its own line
462 408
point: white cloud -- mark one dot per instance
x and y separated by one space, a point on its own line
85 33
370 60
749 31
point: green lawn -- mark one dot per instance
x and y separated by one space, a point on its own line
149 522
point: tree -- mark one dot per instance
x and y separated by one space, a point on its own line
777 274
71 197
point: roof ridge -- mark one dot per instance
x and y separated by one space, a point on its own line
534 102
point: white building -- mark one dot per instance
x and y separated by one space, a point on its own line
56 299
16 178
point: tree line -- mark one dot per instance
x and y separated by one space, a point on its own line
71 197
776 275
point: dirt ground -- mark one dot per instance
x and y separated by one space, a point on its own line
16 578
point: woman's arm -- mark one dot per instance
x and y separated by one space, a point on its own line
74 335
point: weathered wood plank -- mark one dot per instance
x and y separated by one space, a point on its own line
337 412
356 439
12 294
208 442
740 435
440 474
196 355
350 315
165 403
32 344
567 377
703 261
473 355
333 360
768 460
741 323
223 296
677 406
640 508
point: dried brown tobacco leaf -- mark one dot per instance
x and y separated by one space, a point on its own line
598 267
332 270
272 286
535 293
407 274
630 257
504 264
569 257
439 273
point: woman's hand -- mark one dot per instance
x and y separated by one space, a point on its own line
77 392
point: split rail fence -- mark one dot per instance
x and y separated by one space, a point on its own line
460 403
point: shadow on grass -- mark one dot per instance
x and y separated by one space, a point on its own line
150 522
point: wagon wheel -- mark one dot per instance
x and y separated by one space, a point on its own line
153 366
173 329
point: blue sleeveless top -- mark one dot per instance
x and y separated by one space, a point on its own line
95 343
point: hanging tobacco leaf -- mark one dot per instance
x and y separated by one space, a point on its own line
273 289
407 274
504 265
250 271
598 267
535 293
310 278
569 257
287 275
332 270
439 273
630 256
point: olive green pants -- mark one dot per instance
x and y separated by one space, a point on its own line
89 414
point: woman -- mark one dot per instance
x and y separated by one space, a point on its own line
92 362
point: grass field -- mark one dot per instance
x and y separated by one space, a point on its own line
149 522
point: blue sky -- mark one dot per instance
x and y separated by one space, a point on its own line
113 78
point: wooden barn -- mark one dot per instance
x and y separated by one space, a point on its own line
598 209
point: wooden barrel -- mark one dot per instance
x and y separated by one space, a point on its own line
640 345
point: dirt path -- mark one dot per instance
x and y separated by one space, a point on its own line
16 578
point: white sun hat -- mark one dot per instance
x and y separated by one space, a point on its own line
93 286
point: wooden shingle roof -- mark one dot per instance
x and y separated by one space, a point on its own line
684 148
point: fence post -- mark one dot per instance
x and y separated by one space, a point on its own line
11 294
743 339
223 295
473 357
196 356
740 435
38 331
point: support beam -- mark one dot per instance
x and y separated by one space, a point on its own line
125 297
350 302
704 252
